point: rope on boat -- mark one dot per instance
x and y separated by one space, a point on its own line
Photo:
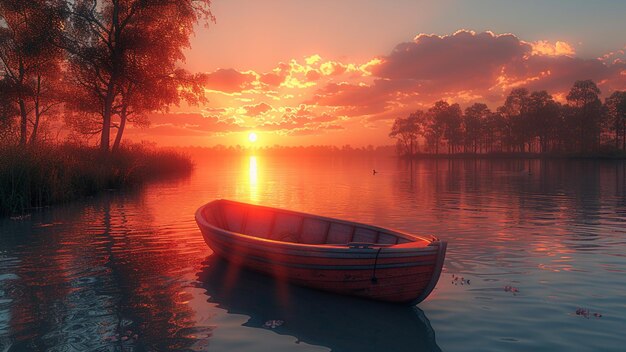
374 278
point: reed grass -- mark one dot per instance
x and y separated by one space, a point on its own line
48 174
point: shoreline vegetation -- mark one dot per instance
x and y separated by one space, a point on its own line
528 123
519 155
33 178
50 174
382 151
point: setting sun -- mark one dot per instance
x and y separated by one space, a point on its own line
252 137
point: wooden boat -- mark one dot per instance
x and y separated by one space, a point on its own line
324 253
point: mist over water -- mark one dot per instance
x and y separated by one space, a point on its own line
530 245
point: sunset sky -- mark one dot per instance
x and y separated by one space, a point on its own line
338 72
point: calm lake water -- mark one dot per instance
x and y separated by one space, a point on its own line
534 242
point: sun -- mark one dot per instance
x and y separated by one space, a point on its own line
252 137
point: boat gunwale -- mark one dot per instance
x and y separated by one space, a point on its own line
328 252
433 242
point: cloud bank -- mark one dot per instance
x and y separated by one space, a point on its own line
313 95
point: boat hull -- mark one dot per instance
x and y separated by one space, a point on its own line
402 273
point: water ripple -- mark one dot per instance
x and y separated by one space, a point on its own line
130 271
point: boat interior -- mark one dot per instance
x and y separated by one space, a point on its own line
287 226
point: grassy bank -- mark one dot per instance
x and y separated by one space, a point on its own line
517 155
51 174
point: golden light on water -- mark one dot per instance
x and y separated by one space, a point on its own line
253 179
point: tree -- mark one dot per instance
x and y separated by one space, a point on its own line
8 110
543 118
514 111
569 132
123 56
406 131
474 121
29 60
495 131
152 92
453 134
587 108
616 109
446 122
527 122
436 124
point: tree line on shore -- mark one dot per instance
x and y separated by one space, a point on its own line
527 122
288 151
99 63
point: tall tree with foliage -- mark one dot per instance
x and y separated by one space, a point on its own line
616 110
474 121
29 59
123 56
526 122
587 114
407 130
446 123
542 118
495 129
8 111
436 125
515 110
453 133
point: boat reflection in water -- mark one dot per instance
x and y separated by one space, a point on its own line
338 322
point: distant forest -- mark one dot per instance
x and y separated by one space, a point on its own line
290 151
528 122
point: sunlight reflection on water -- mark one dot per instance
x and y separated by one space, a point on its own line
131 271
254 192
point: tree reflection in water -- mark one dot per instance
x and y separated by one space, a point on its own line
105 282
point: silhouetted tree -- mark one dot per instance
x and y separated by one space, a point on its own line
407 130
29 60
155 92
616 109
526 122
494 130
8 110
569 131
123 56
542 118
445 122
587 114
474 125
453 132
515 111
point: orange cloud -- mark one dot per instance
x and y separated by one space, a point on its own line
277 76
229 80
257 109
544 47
191 124
313 75
313 59
307 131
297 120
332 68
